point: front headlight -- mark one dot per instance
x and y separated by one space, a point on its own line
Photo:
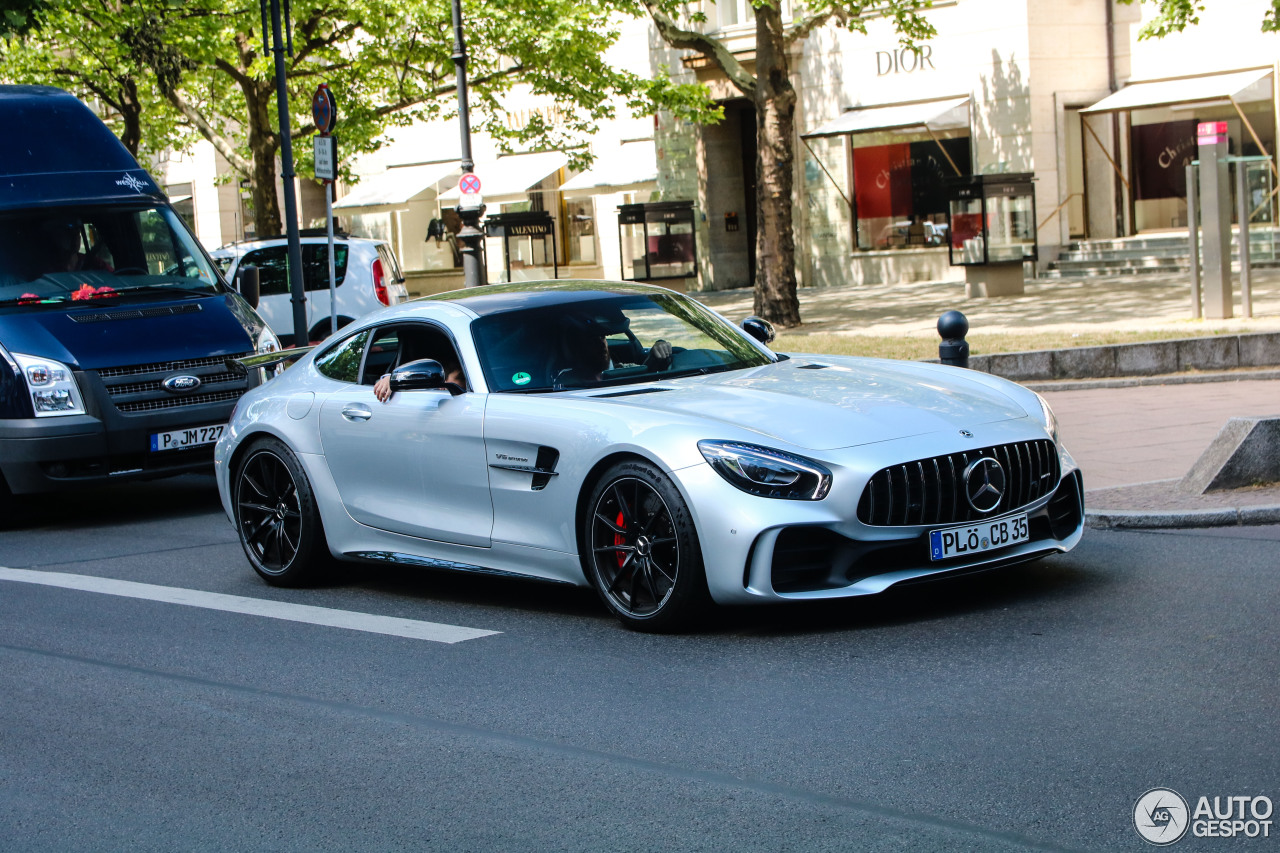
53 387
767 473
267 343
1050 420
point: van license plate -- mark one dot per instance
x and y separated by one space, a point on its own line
180 438
975 538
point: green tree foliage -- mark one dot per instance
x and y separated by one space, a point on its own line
199 66
1174 16
768 85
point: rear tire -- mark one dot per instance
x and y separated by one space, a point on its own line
641 551
277 518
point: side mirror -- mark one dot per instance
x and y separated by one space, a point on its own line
248 284
759 328
422 375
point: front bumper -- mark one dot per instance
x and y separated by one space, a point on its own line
759 550
51 454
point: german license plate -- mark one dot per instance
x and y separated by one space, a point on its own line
975 538
191 437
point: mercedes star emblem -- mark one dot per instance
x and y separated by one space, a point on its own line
984 484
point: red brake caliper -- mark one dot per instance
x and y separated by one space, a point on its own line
619 539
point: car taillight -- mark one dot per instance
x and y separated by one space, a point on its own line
379 284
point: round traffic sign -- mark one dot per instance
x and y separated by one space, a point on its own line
324 110
469 184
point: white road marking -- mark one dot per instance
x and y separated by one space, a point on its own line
436 632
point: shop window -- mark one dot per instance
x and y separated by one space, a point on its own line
521 246
899 191
582 230
657 240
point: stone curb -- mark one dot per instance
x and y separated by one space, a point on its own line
1149 358
1117 519
1239 375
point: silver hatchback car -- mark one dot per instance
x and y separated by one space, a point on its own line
366 273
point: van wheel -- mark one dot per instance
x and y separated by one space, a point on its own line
321 331
277 518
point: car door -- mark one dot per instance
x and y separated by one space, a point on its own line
275 302
415 464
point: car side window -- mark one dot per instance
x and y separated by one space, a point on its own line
395 345
273 269
315 265
342 360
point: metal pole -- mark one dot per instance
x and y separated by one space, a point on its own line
296 289
1242 202
333 275
470 235
1193 226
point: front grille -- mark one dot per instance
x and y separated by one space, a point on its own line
931 491
167 367
137 388
169 402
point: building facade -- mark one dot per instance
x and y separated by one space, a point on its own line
1062 90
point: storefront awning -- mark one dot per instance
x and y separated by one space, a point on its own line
1239 85
936 115
631 166
509 178
395 188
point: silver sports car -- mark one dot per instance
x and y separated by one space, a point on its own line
628 438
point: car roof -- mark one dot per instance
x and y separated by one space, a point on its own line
238 246
500 298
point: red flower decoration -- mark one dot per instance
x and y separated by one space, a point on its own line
88 291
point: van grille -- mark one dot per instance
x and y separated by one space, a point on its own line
932 491
138 388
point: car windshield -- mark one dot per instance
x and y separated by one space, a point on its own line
99 253
616 340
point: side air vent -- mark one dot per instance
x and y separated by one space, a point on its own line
137 313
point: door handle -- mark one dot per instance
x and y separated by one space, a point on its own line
355 412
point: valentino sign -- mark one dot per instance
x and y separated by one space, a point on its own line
904 60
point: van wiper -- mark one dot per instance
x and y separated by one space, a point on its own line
162 290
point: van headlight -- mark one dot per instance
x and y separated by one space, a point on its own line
53 386
266 343
766 472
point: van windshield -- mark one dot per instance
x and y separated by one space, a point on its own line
99 253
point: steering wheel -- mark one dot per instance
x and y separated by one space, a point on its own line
130 271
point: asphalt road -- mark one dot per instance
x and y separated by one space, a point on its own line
1024 710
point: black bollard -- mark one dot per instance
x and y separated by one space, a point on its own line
954 349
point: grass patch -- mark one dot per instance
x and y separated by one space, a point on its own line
915 348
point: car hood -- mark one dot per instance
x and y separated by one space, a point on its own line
823 404
114 333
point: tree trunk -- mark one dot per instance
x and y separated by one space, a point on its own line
775 98
131 116
263 144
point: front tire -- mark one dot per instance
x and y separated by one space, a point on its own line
641 549
277 518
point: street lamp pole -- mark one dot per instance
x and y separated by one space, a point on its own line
470 236
298 293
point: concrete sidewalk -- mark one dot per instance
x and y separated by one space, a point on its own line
1134 438
1134 444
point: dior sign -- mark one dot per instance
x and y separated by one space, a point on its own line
904 60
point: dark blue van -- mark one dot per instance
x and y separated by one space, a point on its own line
114 322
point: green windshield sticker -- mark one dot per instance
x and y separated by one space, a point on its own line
521 378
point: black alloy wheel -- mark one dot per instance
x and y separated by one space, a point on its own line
276 516
642 549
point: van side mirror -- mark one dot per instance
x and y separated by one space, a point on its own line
247 283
